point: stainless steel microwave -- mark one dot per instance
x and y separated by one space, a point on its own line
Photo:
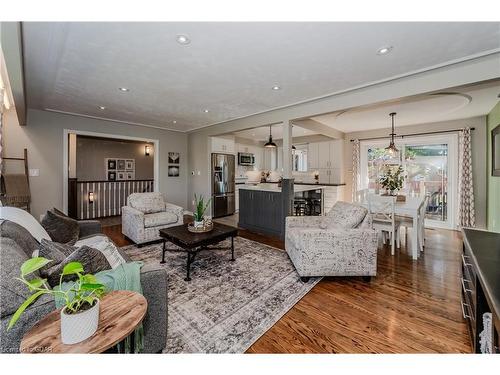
246 158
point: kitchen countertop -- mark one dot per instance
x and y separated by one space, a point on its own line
313 183
297 188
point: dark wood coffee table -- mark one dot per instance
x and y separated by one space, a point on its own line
193 243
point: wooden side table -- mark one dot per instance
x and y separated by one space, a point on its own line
120 313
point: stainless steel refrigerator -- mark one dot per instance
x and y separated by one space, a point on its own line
223 190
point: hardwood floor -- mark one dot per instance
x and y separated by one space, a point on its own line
410 307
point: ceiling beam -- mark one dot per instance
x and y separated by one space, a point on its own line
12 48
434 79
319 128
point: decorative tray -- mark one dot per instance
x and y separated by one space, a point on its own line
203 229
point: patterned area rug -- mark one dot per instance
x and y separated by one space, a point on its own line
227 305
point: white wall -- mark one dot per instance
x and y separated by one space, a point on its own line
478 155
43 137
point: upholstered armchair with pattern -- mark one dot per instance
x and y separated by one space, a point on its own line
145 214
341 243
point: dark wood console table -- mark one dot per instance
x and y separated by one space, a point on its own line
481 283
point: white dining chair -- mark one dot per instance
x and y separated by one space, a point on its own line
361 195
384 219
407 222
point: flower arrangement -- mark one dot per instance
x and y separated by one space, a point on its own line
392 180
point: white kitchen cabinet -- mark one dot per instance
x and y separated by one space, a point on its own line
326 155
223 145
237 197
331 194
312 156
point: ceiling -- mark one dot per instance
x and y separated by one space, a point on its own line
262 133
468 102
227 68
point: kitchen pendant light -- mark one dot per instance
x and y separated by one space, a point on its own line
392 149
270 142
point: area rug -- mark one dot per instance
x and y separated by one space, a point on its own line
227 305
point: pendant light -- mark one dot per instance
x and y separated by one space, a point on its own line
270 142
392 149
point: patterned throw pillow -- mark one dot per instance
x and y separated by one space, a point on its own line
92 260
55 251
60 228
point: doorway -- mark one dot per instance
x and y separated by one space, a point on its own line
430 164
97 183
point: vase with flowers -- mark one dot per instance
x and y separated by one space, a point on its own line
392 179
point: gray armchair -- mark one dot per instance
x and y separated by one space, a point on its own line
145 214
342 243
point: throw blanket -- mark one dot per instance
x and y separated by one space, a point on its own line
126 276
16 188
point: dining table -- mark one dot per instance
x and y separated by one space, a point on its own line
409 208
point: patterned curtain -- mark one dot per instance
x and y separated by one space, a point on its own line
2 93
355 168
466 212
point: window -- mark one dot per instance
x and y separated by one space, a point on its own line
430 165
299 159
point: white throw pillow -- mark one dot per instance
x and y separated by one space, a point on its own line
26 220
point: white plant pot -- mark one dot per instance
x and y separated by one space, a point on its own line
78 327
198 224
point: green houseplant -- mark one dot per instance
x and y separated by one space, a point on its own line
392 179
80 314
200 208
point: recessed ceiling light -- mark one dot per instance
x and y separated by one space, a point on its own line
206 110
102 108
124 89
174 122
183 39
276 88
384 50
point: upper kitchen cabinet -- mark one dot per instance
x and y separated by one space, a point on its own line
223 145
326 155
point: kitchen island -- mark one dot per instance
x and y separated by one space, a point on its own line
262 207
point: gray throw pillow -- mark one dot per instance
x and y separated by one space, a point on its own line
61 229
12 291
20 235
92 260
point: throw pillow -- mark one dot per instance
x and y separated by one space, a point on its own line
347 215
92 260
105 246
13 292
61 229
57 212
53 249
20 235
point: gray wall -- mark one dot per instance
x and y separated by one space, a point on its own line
91 154
478 156
43 137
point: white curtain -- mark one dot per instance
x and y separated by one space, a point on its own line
355 168
466 212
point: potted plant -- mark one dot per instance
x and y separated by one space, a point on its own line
80 314
200 208
392 180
